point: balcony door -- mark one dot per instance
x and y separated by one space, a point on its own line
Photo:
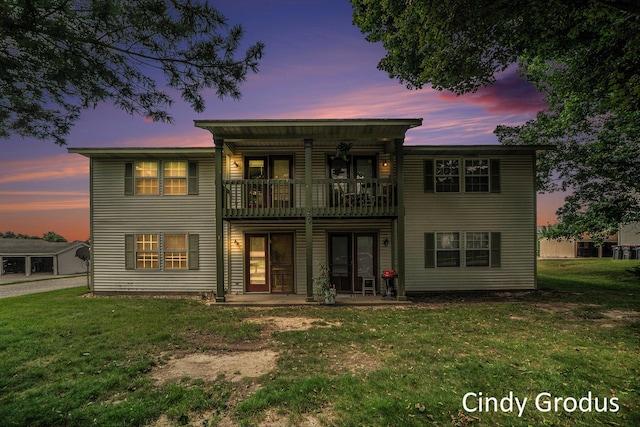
353 168
352 257
269 263
274 193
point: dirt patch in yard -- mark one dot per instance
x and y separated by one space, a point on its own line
233 366
241 364
234 361
622 315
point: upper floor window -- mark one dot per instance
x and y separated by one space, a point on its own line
456 175
447 176
154 177
175 178
476 176
147 178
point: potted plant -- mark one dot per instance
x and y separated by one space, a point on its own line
325 290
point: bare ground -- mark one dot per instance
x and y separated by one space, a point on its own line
243 364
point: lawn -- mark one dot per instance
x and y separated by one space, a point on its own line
571 349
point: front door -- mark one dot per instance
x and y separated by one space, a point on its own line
352 258
269 263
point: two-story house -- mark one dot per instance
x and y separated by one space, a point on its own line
271 199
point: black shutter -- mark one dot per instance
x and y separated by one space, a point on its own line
429 250
429 186
192 179
194 253
128 179
496 256
495 176
129 252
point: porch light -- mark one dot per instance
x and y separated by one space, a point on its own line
235 164
385 163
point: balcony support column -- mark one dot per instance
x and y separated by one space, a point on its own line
400 247
218 143
308 197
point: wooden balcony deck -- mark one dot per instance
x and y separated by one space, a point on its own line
276 198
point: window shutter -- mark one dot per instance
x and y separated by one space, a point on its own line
495 176
129 252
194 253
496 257
192 179
429 250
429 186
128 179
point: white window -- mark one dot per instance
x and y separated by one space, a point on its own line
448 249
175 178
147 251
147 178
175 251
477 249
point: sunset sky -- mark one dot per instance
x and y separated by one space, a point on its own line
317 65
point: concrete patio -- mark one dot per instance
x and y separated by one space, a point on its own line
275 300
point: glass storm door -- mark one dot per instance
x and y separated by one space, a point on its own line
365 259
352 258
257 263
269 263
281 263
340 261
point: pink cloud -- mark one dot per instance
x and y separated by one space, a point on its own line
40 169
509 94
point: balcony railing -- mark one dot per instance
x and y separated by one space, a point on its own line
278 198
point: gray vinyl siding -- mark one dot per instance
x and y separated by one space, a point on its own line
116 215
511 213
235 268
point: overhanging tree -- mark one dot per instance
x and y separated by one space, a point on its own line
583 54
59 57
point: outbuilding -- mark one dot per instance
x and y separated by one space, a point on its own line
27 256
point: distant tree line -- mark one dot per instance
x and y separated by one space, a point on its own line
49 236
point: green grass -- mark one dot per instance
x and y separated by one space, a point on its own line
72 361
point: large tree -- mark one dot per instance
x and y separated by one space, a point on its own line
58 57
583 54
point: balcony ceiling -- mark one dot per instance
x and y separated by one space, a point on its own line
296 131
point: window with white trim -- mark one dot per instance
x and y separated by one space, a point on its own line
480 249
161 251
476 176
175 251
447 176
175 178
448 249
477 249
154 177
147 251
461 175
147 178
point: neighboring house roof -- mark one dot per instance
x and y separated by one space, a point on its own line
22 247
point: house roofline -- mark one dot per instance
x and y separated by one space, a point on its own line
470 150
144 152
316 129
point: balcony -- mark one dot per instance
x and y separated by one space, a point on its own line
337 198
